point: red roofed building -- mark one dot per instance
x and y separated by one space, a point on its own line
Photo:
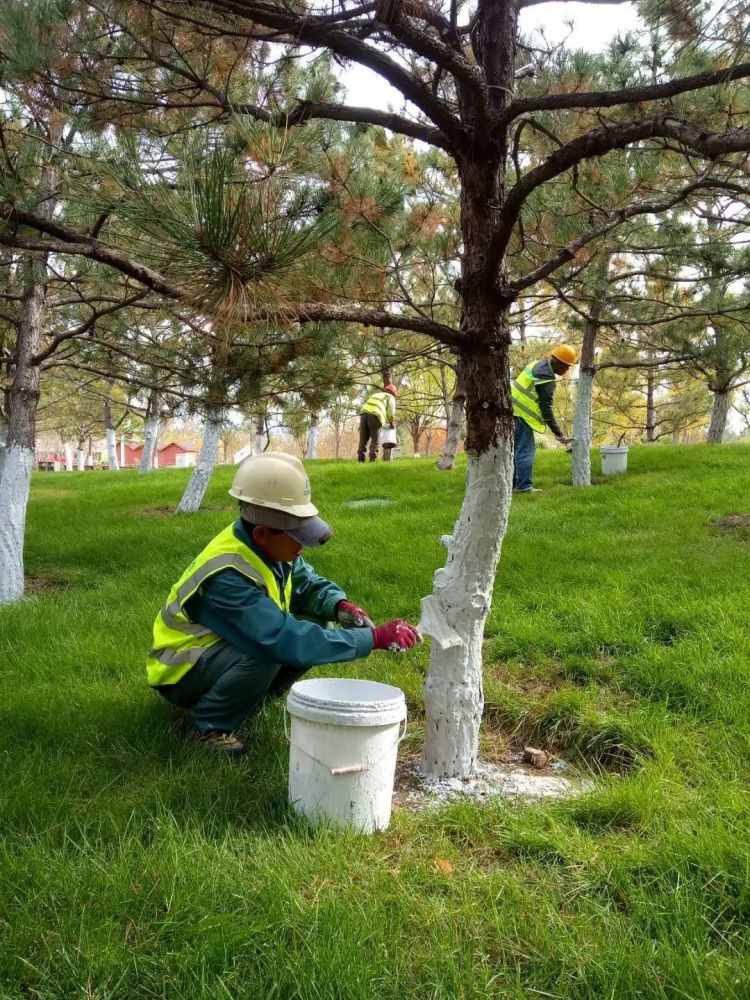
174 453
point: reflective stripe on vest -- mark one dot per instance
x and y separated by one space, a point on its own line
525 398
178 642
378 404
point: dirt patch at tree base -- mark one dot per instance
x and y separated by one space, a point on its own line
732 522
44 583
513 781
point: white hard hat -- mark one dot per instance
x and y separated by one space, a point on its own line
276 487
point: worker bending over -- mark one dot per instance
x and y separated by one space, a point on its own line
378 410
533 392
227 636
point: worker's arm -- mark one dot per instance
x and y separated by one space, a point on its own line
241 613
546 393
313 595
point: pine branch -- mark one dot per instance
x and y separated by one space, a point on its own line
627 95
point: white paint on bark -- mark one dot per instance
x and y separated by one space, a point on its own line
69 460
122 451
455 421
312 438
112 450
459 604
582 428
204 467
149 458
14 497
80 460
719 414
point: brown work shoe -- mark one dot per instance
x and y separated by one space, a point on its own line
227 743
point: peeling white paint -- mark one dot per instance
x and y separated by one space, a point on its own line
14 496
460 603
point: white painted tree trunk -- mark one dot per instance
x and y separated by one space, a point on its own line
455 421
69 460
312 438
112 450
719 414
122 452
80 460
14 498
204 467
582 428
3 447
461 601
149 459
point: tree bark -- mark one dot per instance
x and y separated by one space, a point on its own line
151 430
719 414
204 467
111 437
23 398
455 421
650 407
312 438
583 415
462 592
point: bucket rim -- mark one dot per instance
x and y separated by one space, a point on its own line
356 710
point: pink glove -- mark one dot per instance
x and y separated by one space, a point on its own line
396 636
351 616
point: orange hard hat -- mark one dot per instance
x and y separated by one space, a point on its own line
391 388
564 353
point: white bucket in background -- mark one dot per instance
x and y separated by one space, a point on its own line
614 459
342 750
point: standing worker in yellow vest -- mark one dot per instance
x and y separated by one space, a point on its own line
228 636
532 393
379 410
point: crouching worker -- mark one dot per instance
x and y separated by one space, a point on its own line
228 636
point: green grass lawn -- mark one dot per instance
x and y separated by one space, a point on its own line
135 865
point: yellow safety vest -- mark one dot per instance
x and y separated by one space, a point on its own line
525 399
178 642
383 405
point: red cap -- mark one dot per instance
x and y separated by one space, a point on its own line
391 388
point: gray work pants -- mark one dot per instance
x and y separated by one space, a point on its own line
369 430
226 686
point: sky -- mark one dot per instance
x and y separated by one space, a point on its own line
593 28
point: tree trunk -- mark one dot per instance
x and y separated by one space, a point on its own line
719 414
312 438
462 593
650 408
69 460
583 415
111 437
582 426
23 398
80 458
456 420
3 448
151 430
204 467
260 430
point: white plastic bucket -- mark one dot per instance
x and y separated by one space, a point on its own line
388 436
342 750
614 459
